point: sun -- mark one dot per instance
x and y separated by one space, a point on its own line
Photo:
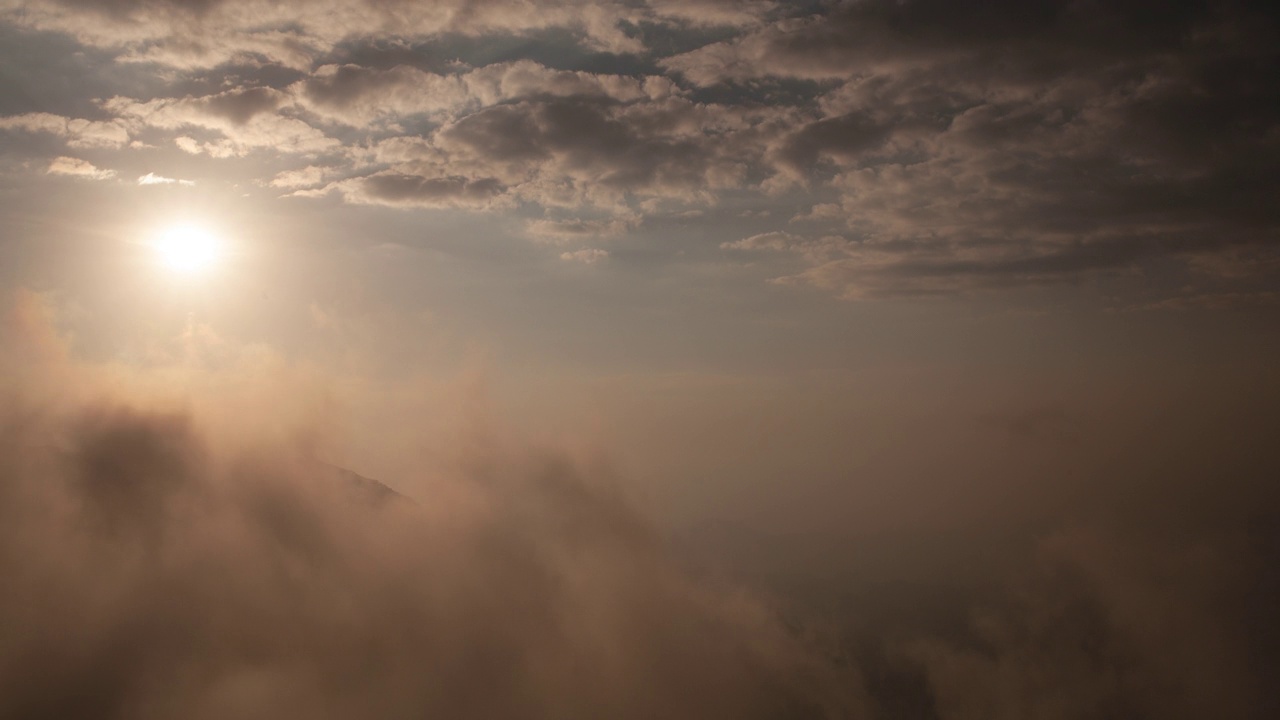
187 248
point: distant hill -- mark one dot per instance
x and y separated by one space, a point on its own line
364 488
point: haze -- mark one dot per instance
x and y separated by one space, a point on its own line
639 359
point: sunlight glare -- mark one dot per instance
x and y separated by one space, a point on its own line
187 248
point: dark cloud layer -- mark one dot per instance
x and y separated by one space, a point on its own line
1025 143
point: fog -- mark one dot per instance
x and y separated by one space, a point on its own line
161 560
177 543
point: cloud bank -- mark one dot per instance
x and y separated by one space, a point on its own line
162 560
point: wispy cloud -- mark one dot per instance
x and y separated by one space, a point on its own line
154 179
79 168
587 256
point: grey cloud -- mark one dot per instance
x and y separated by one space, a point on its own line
507 81
582 151
198 34
856 37
241 106
358 95
508 133
604 154
243 121
578 228
1086 154
207 34
928 268
612 153
414 191
122 9
814 250
842 139
712 12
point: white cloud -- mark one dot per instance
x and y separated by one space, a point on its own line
245 122
76 167
78 132
154 179
306 177
588 256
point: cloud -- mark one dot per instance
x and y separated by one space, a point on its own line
239 107
568 151
814 250
1011 146
1090 155
712 12
580 152
922 269
840 140
400 190
154 179
821 212
76 167
1119 622
559 231
521 130
876 37
240 121
210 33
189 563
309 176
78 132
358 95
777 241
587 256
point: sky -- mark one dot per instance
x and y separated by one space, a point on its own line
828 358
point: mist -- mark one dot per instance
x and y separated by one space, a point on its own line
157 567
189 539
